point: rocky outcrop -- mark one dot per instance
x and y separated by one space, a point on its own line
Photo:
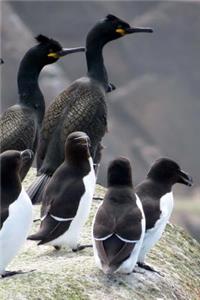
63 274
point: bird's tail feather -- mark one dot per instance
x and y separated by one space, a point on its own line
35 190
34 237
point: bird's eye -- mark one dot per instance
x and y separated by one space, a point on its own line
120 30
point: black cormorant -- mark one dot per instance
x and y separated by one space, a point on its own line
81 107
20 123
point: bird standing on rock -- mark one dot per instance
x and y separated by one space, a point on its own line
68 196
15 208
20 124
81 106
119 224
157 199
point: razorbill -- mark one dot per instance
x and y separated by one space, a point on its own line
67 199
16 208
156 195
119 224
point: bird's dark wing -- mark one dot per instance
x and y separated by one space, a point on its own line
50 229
88 114
149 195
4 212
59 207
18 129
104 224
8 196
151 210
113 251
129 225
62 200
116 231
126 223
74 109
52 119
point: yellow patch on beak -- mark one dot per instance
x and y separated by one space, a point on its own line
121 31
53 54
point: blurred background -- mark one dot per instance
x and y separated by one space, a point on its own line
155 110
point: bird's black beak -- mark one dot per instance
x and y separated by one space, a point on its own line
1 61
66 51
184 178
138 29
27 154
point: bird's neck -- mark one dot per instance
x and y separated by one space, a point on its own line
164 185
10 185
79 161
95 64
28 88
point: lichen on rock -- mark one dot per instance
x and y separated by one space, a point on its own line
61 275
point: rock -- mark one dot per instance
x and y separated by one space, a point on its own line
63 274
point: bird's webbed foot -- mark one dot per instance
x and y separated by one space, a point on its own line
148 268
13 273
81 247
111 87
57 248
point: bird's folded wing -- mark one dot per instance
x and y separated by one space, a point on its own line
70 111
103 225
50 229
116 240
4 212
113 251
18 130
63 204
85 112
50 122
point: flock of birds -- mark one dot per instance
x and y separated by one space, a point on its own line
66 140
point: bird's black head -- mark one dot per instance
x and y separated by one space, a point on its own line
119 172
11 161
49 51
1 61
167 171
111 28
77 146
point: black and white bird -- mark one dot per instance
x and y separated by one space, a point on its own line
157 199
16 208
68 196
119 224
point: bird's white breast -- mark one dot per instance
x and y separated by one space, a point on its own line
72 235
154 234
15 229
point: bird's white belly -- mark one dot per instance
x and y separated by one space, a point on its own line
15 229
154 234
72 235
